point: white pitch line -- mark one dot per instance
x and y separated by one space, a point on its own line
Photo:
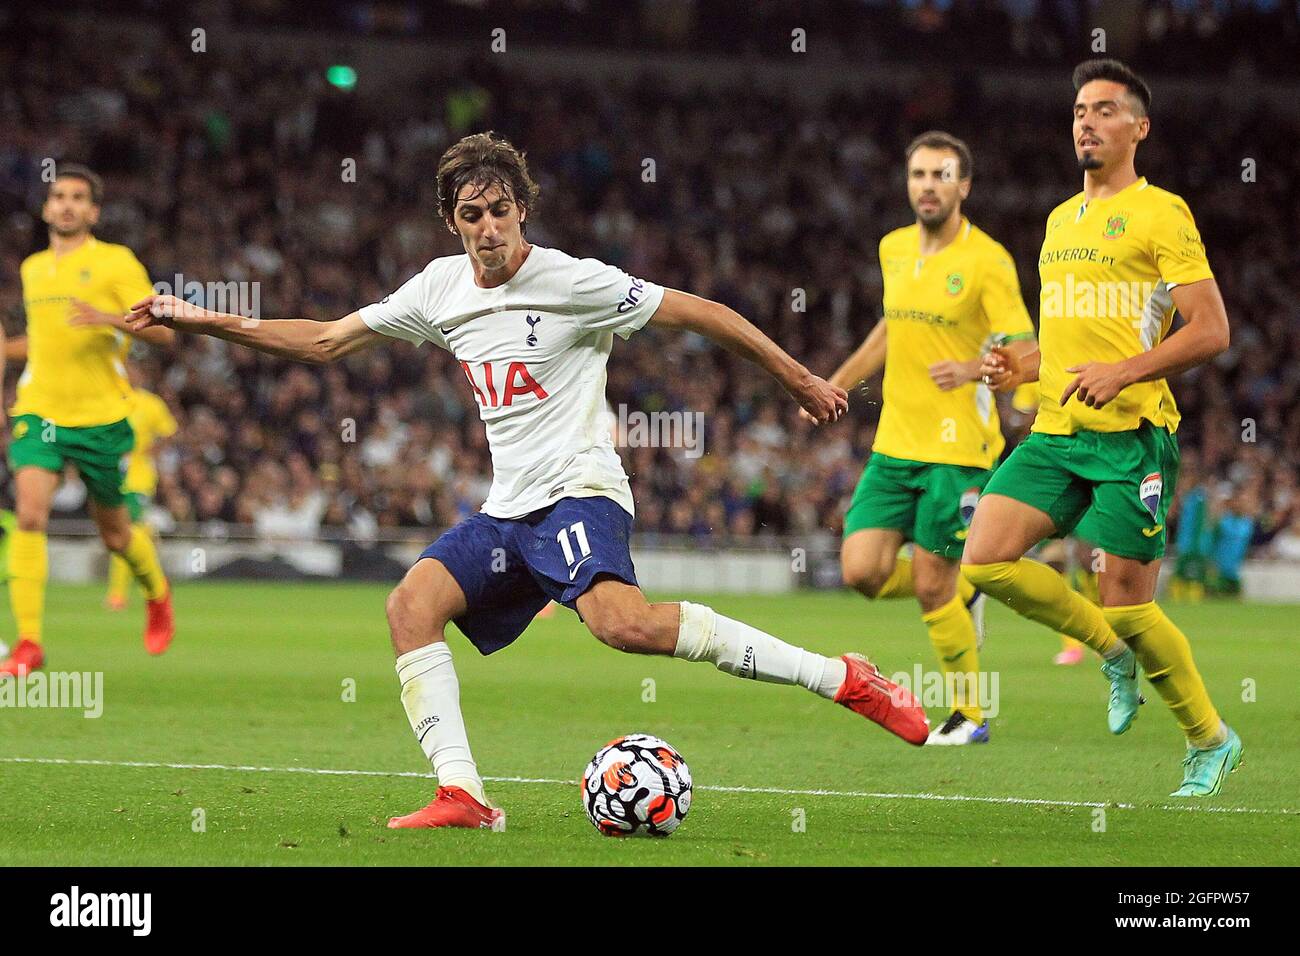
775 791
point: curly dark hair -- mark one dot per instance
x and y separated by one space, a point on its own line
485 160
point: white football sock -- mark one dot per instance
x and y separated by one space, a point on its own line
744 651
431 696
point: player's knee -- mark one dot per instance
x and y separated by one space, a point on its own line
402 610
116 539
932 595
865 578
30 518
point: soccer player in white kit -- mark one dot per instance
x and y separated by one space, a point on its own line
532 329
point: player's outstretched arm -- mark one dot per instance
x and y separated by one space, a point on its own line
304 340
866 360
716 322
1204 335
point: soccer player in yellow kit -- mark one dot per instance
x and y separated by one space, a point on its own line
72 406
150 420
948 287
1117 260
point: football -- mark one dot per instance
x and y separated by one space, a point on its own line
636 784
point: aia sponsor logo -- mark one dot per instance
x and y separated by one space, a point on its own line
498 390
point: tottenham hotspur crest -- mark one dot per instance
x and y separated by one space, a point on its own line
532 321
1149 491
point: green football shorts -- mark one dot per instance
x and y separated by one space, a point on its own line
1111 488
98 451
931 504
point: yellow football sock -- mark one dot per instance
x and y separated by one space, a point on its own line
142 558
1166 656
1085 582
899 583
965 590
1035 591
953 635
29 568
119 578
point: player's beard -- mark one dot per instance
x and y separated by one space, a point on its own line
69 232
933 220
1089 161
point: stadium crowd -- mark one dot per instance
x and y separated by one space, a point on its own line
771 207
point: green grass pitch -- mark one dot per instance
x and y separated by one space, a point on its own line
259 672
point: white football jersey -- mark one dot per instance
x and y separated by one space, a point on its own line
534 350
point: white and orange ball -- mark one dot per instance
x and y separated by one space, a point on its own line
636 784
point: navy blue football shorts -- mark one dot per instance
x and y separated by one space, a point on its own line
509 568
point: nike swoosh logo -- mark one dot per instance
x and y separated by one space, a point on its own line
956 657
578 565
1152 532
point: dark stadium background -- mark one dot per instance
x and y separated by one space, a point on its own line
775 171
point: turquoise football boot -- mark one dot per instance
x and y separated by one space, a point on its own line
1204 770
1122 672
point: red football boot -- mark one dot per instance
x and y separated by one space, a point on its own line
27 657
161 628
452 807
882 701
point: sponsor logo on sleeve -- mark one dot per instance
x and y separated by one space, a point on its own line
633 297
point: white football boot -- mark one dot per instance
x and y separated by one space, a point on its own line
957 731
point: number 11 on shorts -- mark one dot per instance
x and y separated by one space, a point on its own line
580 535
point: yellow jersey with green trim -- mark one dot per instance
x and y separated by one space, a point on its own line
1107 268
76 375
150 419
943 307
